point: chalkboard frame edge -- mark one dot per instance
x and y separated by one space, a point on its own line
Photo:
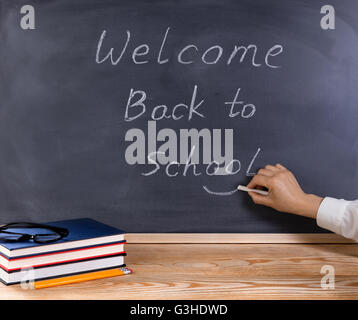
239 238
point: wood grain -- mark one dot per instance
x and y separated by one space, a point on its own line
236 238
218 271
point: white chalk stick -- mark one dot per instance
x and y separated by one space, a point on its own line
243 188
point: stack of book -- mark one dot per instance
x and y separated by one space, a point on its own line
90 247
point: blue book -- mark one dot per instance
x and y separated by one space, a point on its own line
83 233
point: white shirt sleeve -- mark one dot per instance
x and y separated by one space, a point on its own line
339 216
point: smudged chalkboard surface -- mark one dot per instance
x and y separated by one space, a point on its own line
258 77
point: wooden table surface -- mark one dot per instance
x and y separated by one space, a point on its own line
218 271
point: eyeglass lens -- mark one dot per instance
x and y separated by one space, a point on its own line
47 237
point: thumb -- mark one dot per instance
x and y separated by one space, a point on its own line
260 199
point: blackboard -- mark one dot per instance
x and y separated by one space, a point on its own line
71 147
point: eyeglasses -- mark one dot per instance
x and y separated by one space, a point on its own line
10 232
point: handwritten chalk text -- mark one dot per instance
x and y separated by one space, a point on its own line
189 53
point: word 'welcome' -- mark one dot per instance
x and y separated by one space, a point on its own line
189 53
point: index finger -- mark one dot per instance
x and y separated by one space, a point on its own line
259 180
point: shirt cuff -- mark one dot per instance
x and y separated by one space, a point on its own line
330 214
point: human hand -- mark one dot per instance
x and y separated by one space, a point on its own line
285 193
